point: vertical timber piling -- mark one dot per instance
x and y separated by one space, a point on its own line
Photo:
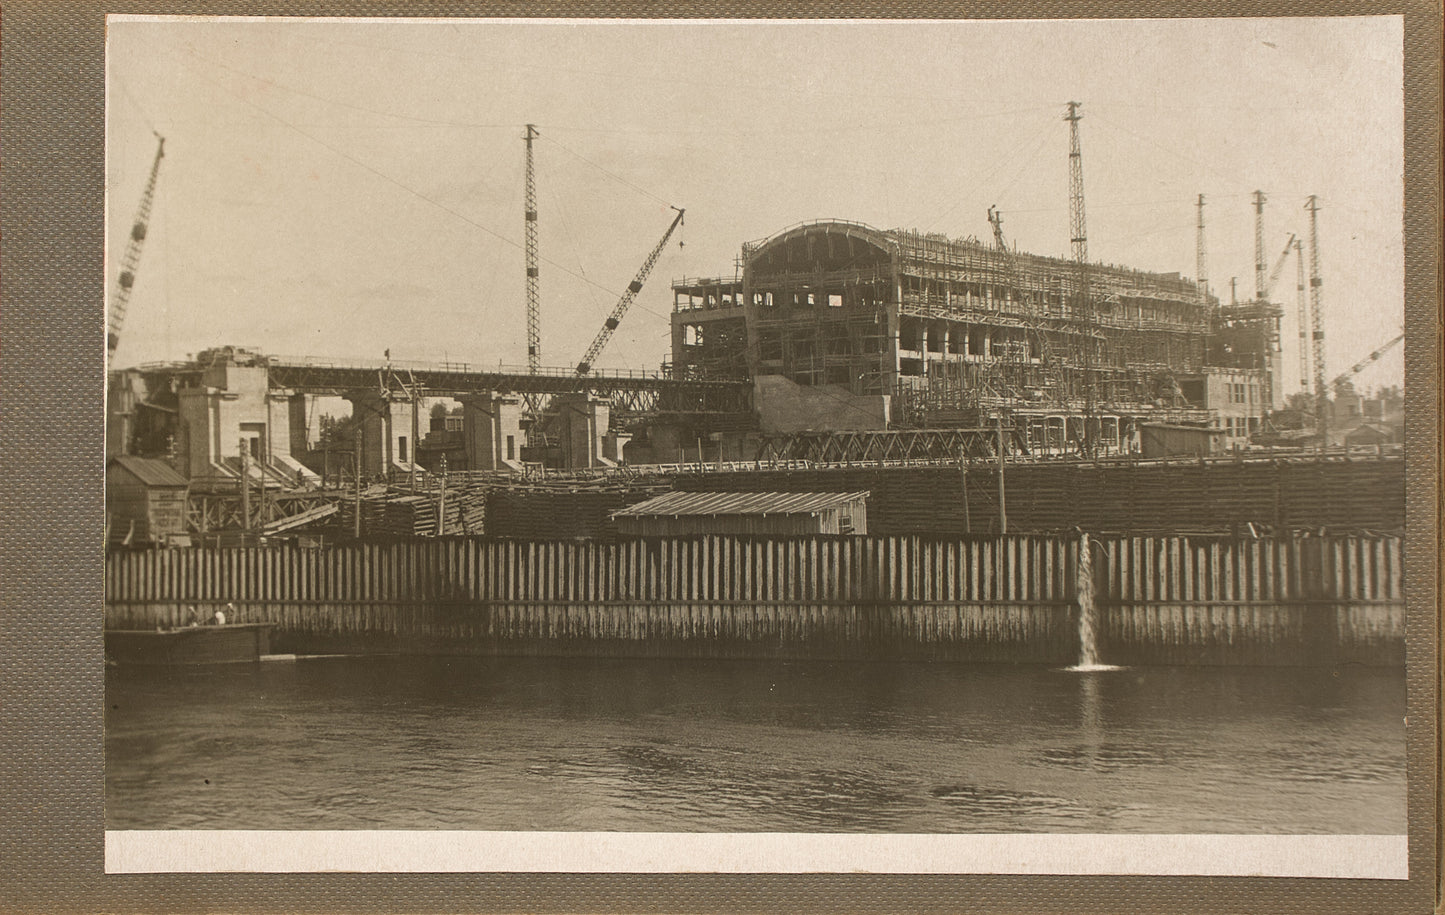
1021 598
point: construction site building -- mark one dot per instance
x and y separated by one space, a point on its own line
841 326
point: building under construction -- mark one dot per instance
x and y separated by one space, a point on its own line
841 326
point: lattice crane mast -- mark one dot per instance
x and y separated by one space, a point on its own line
1079 239
131 258
534 307
1317 318
1302 317
623 303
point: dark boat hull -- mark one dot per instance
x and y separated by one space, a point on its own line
192 645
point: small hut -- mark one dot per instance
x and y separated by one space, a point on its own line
145 500
767 513
1367 435
1169 439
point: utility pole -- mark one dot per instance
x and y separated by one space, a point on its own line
1302 317
1201 267
356 473
1002 505
1317 325
534 311
1259 264
1079 238
245 484
963 472
415 433
442 499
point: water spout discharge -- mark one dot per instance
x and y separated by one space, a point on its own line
1088 612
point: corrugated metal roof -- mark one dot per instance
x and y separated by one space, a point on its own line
1178 427
151 471
738 503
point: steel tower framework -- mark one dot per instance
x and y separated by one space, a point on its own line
1201 266
1317 320
1302 317
1261 292
534 318
1079 238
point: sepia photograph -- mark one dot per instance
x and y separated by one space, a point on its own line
761 446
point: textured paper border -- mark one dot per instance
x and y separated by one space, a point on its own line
50 331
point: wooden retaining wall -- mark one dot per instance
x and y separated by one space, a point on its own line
1202 600
1162 600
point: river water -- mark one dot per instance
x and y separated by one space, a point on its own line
739 746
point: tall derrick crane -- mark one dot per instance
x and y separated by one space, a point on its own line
1317 318
1260 286
1302 318
1364 363
534 308
131 258
1079 240
1201 265
623 303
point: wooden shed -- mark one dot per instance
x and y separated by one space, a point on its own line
1370 434
1169 439
684 513
145 500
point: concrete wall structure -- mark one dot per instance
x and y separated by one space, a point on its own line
784 405
1236 400
228 406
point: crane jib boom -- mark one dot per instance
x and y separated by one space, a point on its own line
130 260
623 303
1360 366
1278 267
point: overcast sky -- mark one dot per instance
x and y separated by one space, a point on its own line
339 188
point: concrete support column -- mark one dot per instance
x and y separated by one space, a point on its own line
492 431
287 437
280 437
194 433
298 423
384 424
369 410
584 420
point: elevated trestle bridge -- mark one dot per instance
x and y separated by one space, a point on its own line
635 395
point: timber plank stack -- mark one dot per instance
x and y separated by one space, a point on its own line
400 516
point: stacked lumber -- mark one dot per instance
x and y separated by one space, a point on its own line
400 516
